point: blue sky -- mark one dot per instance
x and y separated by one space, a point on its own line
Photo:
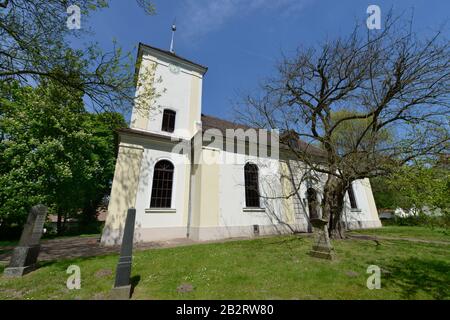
241 40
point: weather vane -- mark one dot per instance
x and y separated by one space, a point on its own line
174 28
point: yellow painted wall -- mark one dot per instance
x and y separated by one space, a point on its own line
141 109
210 200
196 195
288 204
186 194
205 206
194 104
124 187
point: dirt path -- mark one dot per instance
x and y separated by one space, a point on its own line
77 247
370 237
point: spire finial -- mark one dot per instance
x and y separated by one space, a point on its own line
174 28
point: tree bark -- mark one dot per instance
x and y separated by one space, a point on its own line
333 205
89 213
59 224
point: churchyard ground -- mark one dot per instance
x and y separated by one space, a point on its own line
265 268
408 232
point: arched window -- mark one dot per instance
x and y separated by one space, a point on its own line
352 197
162 185
251 186
168 123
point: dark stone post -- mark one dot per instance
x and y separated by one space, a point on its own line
24 257
122 285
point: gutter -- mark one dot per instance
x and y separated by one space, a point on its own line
190 200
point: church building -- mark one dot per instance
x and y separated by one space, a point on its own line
176 196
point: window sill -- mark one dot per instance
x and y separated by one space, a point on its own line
160 210
257 210
356 210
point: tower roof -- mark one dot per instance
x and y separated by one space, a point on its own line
142 47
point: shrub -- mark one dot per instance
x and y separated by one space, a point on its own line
442 221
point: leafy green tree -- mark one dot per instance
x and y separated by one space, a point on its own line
418 185
52 151
102 127
350 133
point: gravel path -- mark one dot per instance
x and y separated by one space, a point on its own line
76 247
369 237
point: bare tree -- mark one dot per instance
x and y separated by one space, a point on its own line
34 45
371 101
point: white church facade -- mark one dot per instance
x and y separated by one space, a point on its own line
176 196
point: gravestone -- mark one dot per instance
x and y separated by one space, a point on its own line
24 257
122 285
322 247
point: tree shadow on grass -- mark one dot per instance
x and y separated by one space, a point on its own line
413 275
289 245
280 241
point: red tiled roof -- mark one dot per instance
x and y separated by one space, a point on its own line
210 122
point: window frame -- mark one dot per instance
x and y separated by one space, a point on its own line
166 124
160 197
251 200
352 197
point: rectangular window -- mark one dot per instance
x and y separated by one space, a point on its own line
168 123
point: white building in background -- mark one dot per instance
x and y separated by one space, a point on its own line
177 197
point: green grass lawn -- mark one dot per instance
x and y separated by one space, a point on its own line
423 233
265 268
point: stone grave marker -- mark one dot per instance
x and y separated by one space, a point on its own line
322 247
122 285
24 257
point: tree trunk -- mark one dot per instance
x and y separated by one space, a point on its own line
59 224
333 205
64 222
89 213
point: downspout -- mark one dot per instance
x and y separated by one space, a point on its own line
191 177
